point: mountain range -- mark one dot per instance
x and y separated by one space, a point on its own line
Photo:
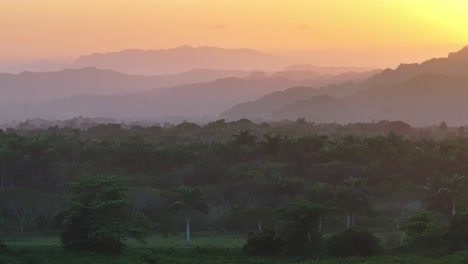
135 100
421 94
424 93
42 86
180 59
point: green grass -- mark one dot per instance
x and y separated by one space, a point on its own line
155 241
56 255
204 249
200 241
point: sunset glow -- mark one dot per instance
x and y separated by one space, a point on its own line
66 29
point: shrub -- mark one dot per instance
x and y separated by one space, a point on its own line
352 242
457 235
264 243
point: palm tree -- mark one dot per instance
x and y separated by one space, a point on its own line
353 198
320 193
271 143
191 200
443 192
456 186
245 138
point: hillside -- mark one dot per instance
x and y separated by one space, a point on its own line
263 108
191 100
40 86
184 58
421 94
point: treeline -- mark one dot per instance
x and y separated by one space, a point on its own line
46 162
221 130
353 181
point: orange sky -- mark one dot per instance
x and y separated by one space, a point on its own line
396 29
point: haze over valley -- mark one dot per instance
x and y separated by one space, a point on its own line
237 83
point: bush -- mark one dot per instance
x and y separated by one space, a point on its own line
264 243
352 242
457 235
393 240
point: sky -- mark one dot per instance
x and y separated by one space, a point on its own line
360 32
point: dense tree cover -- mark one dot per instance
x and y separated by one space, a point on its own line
221 130
294 188
99 218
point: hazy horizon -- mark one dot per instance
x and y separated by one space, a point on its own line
338 33
333 61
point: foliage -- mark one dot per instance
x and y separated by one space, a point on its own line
359 174
457 235
424 231
298 229
353 198
353 242
46 255
263 243
259 214
99 218
192 199
444 193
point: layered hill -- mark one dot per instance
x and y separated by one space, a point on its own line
264 107
421 94
191 100
92 92
184 58
40 86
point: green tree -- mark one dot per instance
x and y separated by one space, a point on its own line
99 218
298 228
353 197
245 138
191 200
423 228
444 193
320 194
258 214
271 144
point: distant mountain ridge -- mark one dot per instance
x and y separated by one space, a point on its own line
191 100
263 108
203 99
37 66
34 86
325 70
180 59
421 94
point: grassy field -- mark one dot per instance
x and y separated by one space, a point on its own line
204 249
155 241
56 255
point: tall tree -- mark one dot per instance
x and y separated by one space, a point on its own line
245 138
271 144
443 193
191 200
353 198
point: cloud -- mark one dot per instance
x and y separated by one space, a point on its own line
220 26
